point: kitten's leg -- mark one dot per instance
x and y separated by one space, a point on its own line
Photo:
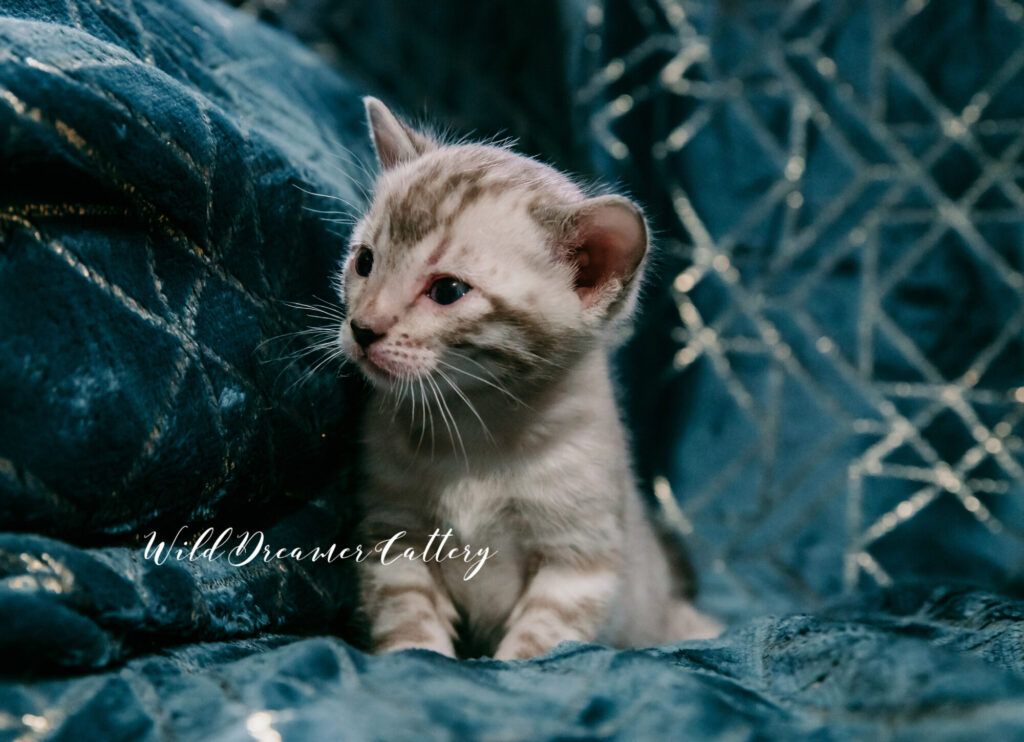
561 602
686 622
406 607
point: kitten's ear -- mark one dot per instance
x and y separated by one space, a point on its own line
393 141
605 240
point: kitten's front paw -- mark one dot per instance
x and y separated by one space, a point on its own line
440 647
689 623
412 635
523 646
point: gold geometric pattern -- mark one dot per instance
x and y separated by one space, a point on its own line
848 213
205 283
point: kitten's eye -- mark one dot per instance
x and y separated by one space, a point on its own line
364 261
448 290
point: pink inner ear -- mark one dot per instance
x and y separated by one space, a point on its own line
392 145
612 241
394 141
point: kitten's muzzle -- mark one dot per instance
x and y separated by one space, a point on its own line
364 336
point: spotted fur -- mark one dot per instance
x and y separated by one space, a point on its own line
495 414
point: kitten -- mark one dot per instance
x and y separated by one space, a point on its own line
483 292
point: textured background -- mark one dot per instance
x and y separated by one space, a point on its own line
154 223
842 183
156 217
825 386
829 371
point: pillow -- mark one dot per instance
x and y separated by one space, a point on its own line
158 204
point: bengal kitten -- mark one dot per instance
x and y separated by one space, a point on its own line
484 290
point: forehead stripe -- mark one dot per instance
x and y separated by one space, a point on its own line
442 246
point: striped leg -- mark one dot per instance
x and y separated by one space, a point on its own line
407 608
561 602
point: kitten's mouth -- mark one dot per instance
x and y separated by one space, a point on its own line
373 370
382 368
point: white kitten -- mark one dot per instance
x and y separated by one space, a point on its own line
483 292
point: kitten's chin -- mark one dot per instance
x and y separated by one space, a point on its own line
375 374
382 374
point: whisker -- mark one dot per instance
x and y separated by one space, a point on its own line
442 409
351 158
326 195
472 360
339 235
455 425
427 410
527 354
305 377
325 341
311 331
296 355
482 380
534 357
396 392
412 402
317 339
423 414
328 212
464 398
328 311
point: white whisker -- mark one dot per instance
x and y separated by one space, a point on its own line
442 408
412 400
464 398
308 374
323 310
326 195
426 410
445 409
497 386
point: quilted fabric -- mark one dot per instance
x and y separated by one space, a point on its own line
933 665
830 374
155 218
825 387
64 608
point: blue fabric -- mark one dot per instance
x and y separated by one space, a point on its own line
937 664
158 160
160 163
829 373
801 381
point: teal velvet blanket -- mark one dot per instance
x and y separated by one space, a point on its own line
826 386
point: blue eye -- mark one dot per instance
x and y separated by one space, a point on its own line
448 290
364 261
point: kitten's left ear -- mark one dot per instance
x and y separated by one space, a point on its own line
605 239
393 141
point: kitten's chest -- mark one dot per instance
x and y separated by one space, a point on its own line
481 516
472 509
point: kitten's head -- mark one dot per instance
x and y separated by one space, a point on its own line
479 263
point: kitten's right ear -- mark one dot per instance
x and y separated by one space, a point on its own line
393 141
605 241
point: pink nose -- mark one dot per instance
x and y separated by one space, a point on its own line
364 335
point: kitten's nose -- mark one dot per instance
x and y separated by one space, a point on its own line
364 335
